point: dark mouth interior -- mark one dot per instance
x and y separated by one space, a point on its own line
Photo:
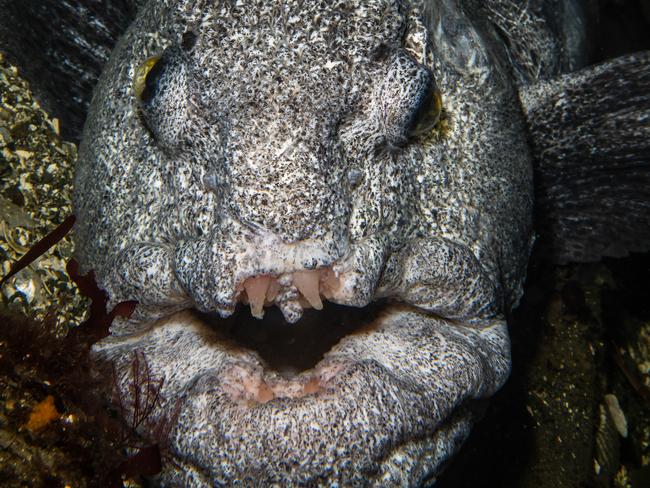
292 348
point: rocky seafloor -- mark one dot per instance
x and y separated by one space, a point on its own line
575 413
576 410
56 426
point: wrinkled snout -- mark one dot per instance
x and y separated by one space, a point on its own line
290 186
283 230
246 262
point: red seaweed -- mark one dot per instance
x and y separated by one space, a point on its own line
96 327
146 462
62 367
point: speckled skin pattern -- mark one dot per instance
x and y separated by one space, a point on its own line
276 140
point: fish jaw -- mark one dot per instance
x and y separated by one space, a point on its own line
386 405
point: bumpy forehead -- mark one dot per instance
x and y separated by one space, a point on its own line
289 51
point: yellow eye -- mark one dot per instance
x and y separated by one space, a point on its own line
140 78
427 114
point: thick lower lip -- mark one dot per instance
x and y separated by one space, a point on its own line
385 395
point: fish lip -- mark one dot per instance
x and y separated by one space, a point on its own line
336 279
212 270
399 383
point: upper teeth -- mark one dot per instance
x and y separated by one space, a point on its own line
307 284
256 288
265 289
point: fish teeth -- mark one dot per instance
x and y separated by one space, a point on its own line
303 288
330 283
256 288
307 282
273 290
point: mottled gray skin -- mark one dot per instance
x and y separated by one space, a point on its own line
279 141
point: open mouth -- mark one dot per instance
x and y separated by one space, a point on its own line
287 326
355 394
291 349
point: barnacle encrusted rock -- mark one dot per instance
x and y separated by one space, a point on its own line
36 178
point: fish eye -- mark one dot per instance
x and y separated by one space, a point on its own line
427 114
146 77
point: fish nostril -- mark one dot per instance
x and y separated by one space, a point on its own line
211 182
354 177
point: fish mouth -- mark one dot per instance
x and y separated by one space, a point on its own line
336 369
290 350
382 394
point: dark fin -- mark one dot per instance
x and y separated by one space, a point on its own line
60 47
590 135
544 38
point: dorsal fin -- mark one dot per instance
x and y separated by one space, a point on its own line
590 134
60 47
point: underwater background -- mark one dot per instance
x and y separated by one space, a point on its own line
575 412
